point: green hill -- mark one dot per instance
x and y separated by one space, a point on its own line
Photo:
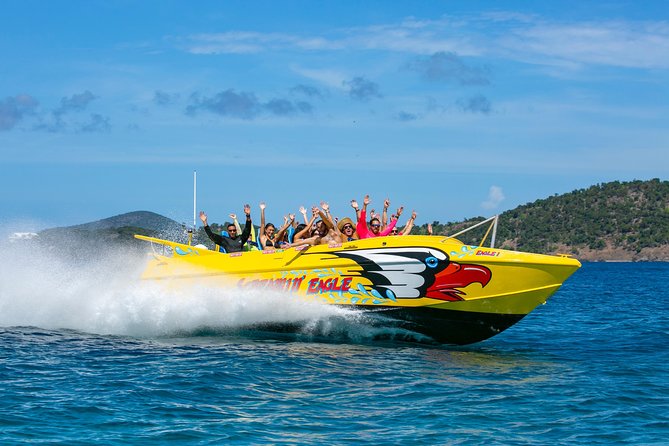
610 221
138 219
117 232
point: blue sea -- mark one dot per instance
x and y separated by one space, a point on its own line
91 356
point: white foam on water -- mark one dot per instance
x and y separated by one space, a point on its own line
43 288
50 288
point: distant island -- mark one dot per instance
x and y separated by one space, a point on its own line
616 221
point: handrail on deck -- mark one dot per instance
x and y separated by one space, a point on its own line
493 226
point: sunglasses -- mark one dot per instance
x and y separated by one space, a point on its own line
347 227
375 226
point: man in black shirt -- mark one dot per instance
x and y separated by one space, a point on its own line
234 242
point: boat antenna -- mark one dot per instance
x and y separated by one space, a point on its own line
194 198
191 230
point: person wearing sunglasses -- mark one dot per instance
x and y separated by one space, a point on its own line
347 230
407 229
233 242
374 229
251 244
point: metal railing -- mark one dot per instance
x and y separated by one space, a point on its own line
493 226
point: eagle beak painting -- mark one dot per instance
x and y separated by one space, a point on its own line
448 283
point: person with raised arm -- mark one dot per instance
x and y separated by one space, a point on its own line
407 229
303 211
267 230
233 242
374 229
329 231
410 223
354 205
251 245
376 215
309 235
281 237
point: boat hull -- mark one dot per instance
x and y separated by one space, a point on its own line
445 290
449 326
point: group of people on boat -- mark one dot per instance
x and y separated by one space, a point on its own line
320 228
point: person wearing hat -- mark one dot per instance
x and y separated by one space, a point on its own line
331 232
347 229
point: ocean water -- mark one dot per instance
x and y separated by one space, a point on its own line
89 355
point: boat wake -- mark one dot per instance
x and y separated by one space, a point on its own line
103 295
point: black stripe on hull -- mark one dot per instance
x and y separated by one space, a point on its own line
420 324
447 326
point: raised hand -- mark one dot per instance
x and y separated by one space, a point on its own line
354 204
325 206
366 200
429 229
203 217
314 210
386 203
413 215
233 217
247 210
292 216
399 211
262 205
303 211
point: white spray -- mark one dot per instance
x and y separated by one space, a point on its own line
43 288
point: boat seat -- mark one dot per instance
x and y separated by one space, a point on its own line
220 248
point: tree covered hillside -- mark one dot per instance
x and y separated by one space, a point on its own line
618 220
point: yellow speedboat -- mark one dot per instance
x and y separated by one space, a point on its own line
439 287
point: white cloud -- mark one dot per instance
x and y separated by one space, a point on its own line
519 37
413 37
239 42
619 44
495 197
330 78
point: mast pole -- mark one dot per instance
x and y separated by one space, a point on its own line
191 230
194 198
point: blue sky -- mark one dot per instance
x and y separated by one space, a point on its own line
452 108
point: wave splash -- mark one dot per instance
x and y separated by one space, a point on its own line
103 295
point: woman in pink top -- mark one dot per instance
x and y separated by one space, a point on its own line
374 229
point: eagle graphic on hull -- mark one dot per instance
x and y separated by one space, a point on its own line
414 272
